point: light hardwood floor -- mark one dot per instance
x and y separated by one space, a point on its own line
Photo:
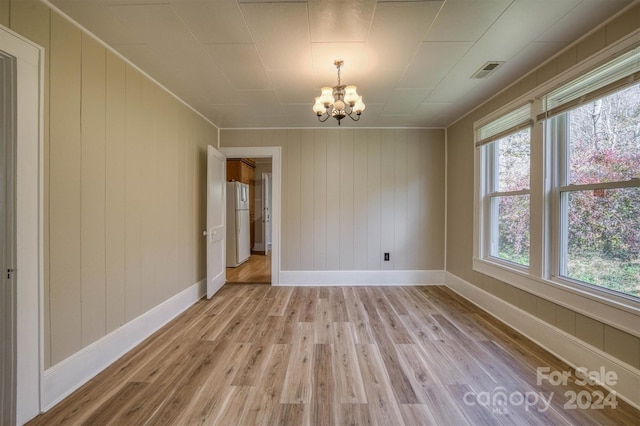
256 354
256 270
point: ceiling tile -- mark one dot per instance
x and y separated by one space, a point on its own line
465 20
432 62
241 65
325 54
288 95
220 21
281 32
404 101
292 87
250 115
587 14
451 89
192 62
508 35
154 23
375 86
434 114
100 21
340 21
258 98
396 32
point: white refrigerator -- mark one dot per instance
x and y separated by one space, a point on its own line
238 241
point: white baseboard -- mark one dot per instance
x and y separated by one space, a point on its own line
360 278
68 375
568 348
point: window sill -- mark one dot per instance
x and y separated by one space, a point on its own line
617 311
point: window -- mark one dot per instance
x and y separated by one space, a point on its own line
597 190
557 202
557 190
505 156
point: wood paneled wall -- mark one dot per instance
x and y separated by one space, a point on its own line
349 195
125 186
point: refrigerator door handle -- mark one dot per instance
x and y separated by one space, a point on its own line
243 193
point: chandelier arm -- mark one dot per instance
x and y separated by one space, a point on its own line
325 118
351 116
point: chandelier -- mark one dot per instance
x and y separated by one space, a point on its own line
338 101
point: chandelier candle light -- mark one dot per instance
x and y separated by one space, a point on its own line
338 101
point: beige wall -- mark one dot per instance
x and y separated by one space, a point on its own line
460 190
349 195
124 186
5 12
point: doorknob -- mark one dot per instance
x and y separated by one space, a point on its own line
204 233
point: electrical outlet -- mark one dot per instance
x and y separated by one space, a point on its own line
386 257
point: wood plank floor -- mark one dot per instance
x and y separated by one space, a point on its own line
261 355
256 270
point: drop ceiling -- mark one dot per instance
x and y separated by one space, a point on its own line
259 63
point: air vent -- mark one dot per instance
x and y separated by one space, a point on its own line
487 69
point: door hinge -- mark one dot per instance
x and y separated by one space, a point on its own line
10 272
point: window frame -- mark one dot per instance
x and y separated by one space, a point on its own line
491 196
617 310
557 138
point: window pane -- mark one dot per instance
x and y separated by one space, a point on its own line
603 240
604 139
513 161
510 228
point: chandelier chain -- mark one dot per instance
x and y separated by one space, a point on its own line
338 63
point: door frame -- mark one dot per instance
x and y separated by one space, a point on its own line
8 299
275 153
266 177
29 221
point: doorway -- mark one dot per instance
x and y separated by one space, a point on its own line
255 266
261 267
8 296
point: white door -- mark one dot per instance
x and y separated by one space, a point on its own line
216 211
266 212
